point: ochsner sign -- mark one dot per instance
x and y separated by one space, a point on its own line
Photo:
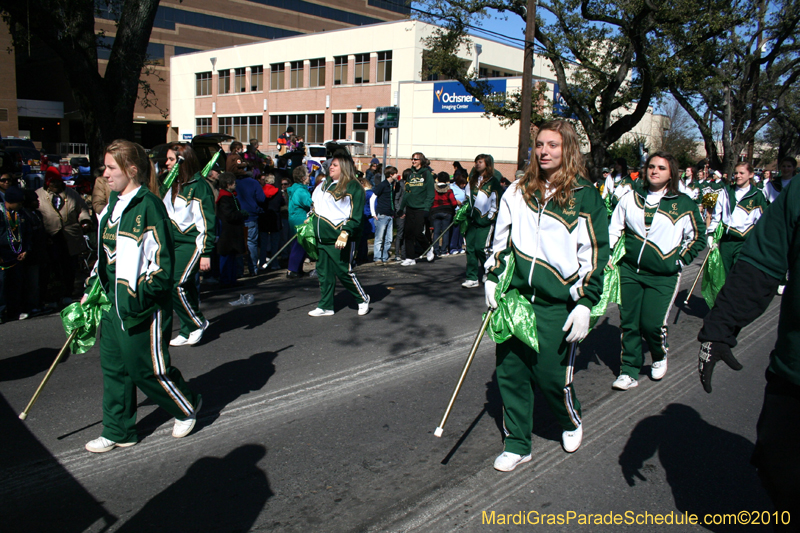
451 97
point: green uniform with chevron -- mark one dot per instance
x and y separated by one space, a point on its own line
663 233
483 194
193 229
337 217
738 209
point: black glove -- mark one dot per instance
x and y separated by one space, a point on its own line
710 353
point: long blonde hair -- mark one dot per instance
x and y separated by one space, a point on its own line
128 154
347 173
566 176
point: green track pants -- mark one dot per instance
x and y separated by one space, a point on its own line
139 357
520 369
646 300
332 264
729 251
478 239
185 298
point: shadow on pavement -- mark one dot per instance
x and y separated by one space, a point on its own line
29 364
696 307
215 494
707 468
601 346
240 317
219 387
36 492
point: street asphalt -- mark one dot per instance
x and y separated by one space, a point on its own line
326 424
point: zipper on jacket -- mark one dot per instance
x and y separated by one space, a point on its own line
646 231
536 249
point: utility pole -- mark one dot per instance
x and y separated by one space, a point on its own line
527 86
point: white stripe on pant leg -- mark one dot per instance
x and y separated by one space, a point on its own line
188 307
568 402
352 274
160 367
189 267
666 316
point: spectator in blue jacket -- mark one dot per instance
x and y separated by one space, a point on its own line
250 195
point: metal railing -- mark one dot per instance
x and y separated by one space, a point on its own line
73 148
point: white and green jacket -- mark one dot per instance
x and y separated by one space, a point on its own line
143 258
193 215
334 215
484 201
737 218
673 239
560 253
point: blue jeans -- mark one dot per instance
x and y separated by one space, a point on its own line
440 222
270 243
383 238
252 245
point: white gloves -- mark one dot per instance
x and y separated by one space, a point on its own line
341 242
490 287
711 243
577 324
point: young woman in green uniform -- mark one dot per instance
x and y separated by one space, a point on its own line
663 233
552 225
190 205
338 211
739 206
483 194
134 267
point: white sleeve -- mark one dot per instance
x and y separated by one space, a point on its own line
617 223
609 186
372 201
492 205
502 227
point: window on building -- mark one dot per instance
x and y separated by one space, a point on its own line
317 74
224 82
362 68
339 126
202 125
240 80
340 70
202 84
483 72
360 121
311 126
257 78
495 74
296 75
384 66
243 128
277 71
379 135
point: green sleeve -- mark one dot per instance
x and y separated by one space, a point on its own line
770 242
697 241
430 191
357 200
593 208
210 216
159 284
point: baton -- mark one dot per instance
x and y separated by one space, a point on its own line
276 254
441 236
467 364
696 279
24 414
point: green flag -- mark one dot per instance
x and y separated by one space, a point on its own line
610 294
209 165
307 238
514 315
85 318
714 272
170 177
460 217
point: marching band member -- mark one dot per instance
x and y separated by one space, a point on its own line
134 267
739 206
338 213
663 231
554 225
483 194
190 206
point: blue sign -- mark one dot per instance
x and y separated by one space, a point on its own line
452 97
187 136
560 106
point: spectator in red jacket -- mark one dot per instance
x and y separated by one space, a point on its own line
442 211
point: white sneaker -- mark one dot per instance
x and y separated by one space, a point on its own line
571 440
363 308
658 369
624 382
485 277
102 444
430 255
196 335
507 461
470 284
781 288
180 340
408 262
324 312
23 316
184 427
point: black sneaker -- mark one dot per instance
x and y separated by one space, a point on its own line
293 275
